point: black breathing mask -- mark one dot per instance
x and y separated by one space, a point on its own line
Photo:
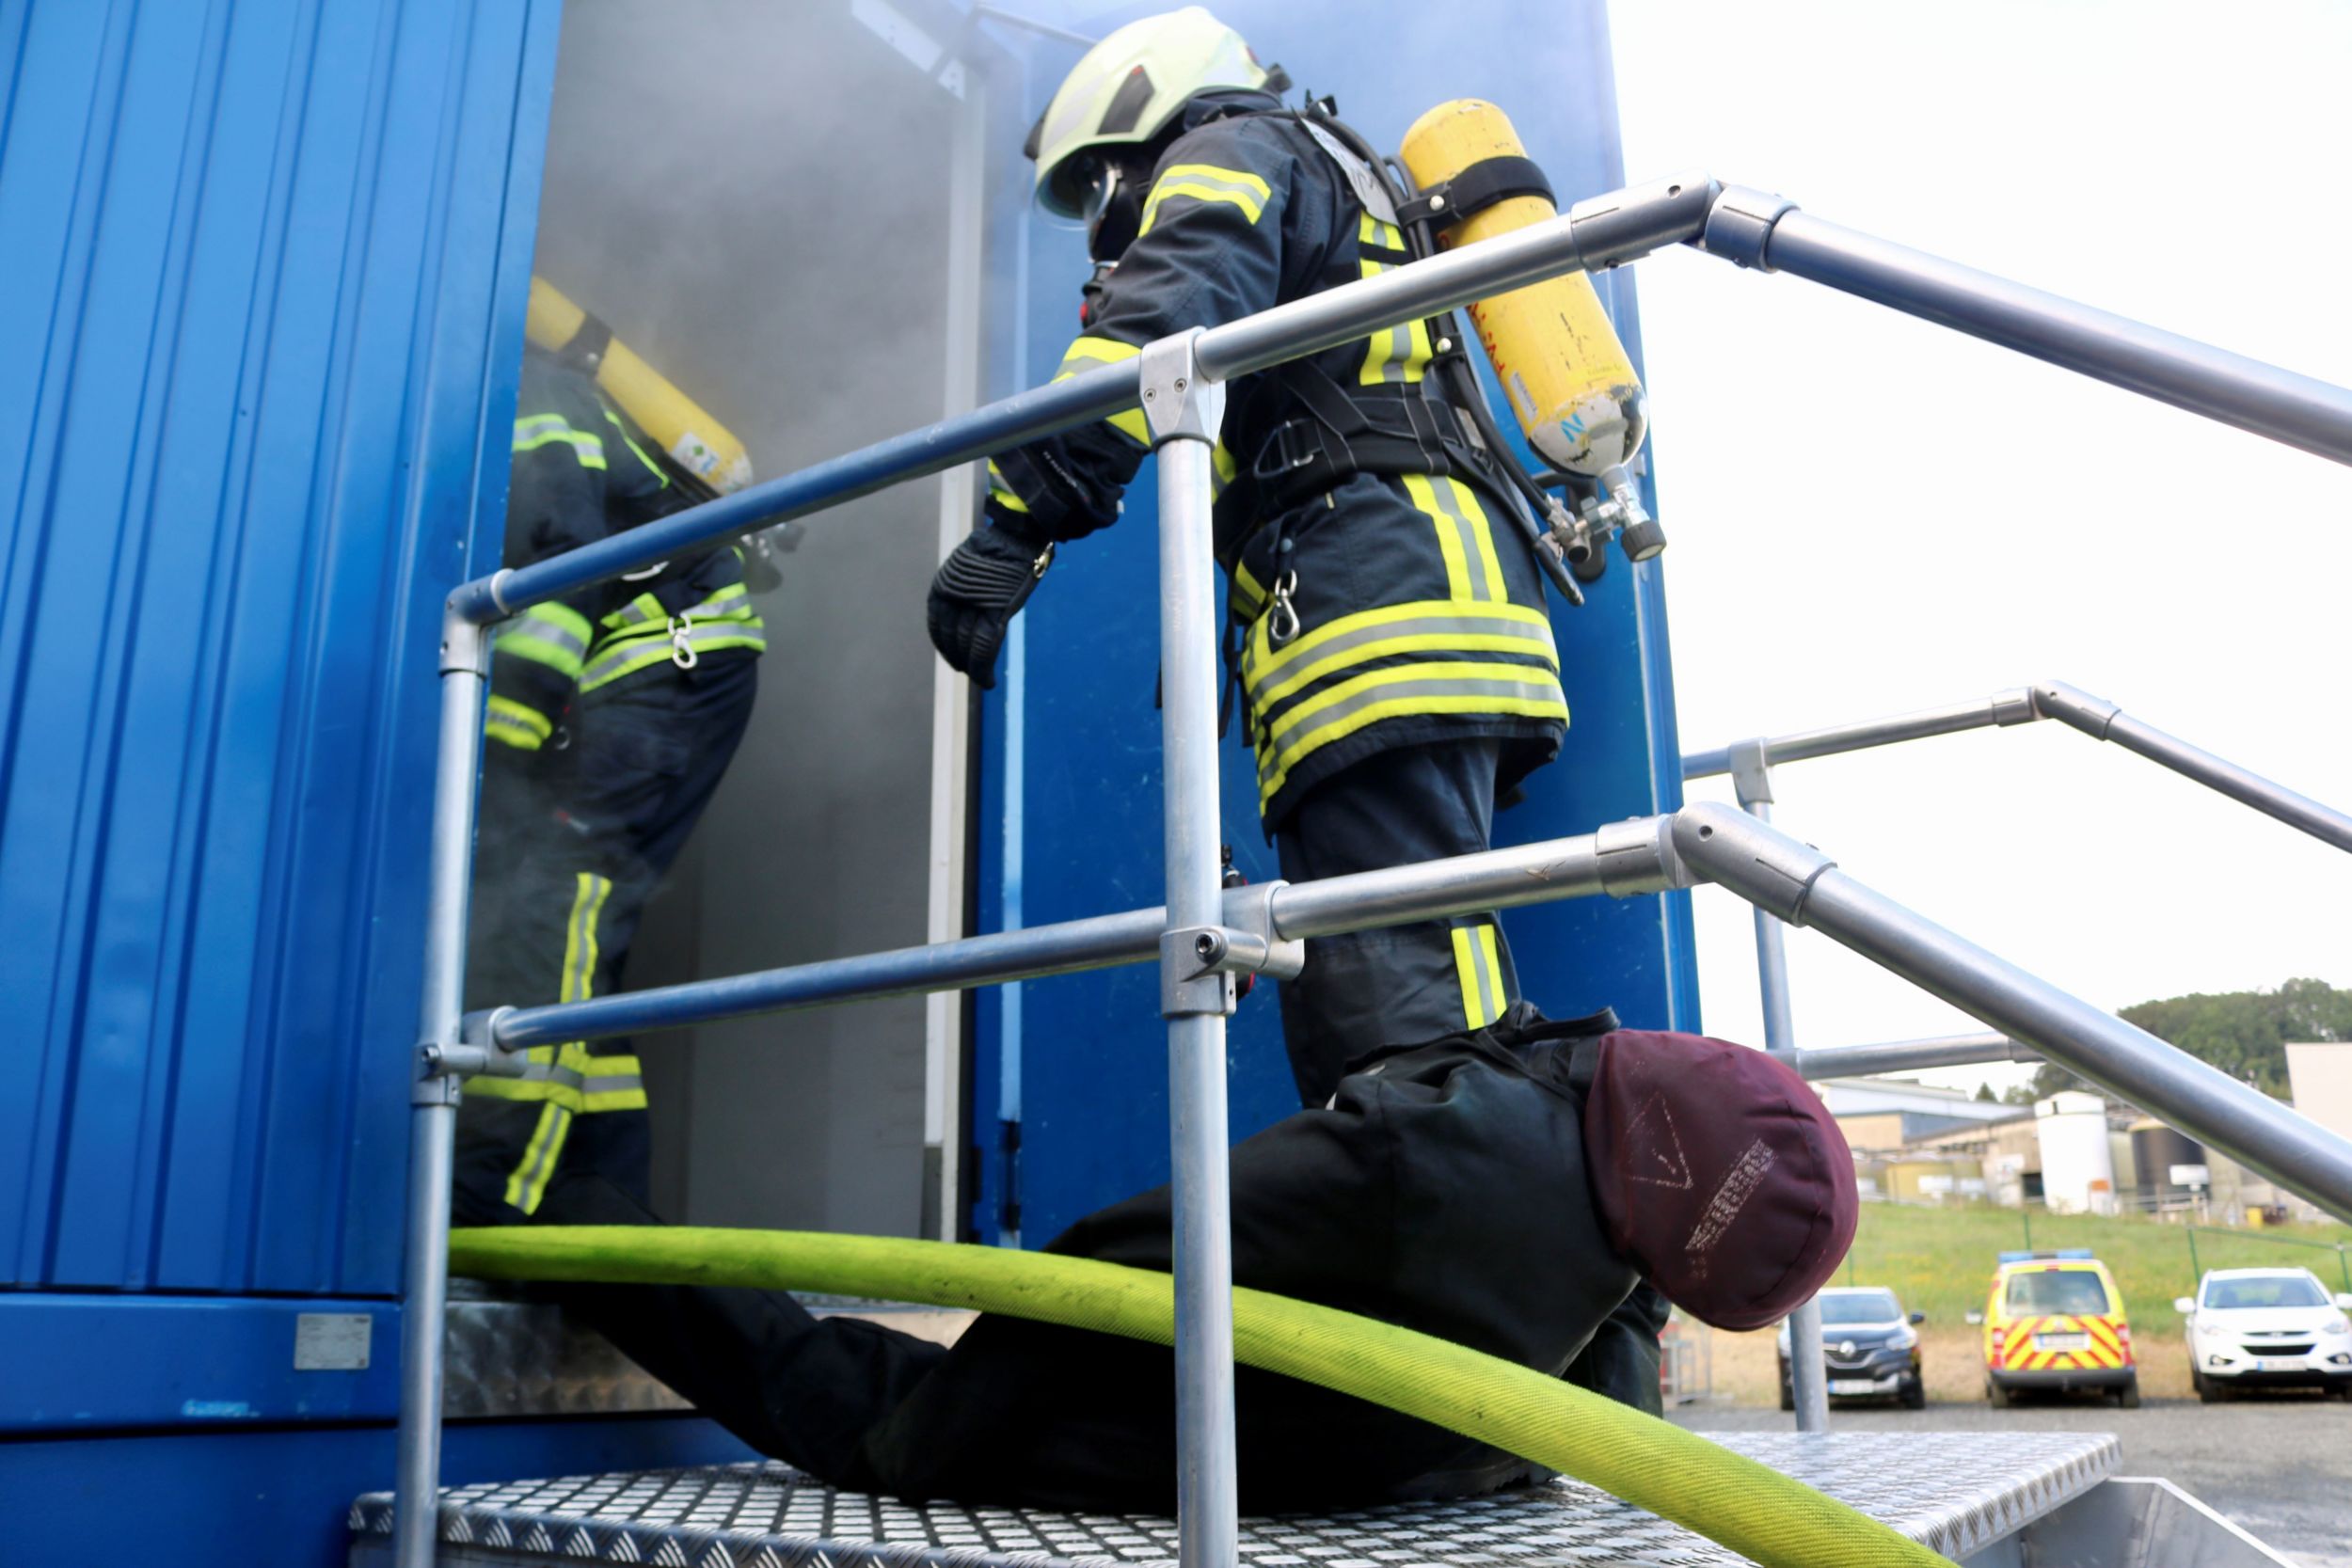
1114 207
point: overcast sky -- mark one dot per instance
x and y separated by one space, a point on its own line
1869 514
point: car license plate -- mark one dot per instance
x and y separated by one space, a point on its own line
1852 1385
2276 1364
2061 1341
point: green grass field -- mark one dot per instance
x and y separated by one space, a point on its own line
1940 1261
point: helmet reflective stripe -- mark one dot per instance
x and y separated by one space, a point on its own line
1128 87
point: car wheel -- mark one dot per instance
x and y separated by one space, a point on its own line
1914 1394
1787 1397
2128 1395
2208 1392
2000 1397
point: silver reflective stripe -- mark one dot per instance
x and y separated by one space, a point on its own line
1289 747
1349 647
548 630
571 1078
1473 561
1483 964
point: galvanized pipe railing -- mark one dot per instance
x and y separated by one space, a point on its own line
2093 716
1870 1061
1746 227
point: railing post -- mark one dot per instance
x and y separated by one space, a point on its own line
1196 991
1751 781
433 1125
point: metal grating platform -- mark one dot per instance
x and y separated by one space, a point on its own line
1957 1492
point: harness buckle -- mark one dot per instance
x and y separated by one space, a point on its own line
1284 623
682 652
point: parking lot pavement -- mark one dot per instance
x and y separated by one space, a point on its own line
2278 1467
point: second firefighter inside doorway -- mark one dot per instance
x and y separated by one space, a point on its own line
614 715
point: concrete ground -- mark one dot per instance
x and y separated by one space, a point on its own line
2278 1467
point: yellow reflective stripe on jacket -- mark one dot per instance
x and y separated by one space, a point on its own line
1085 351
516 724
620 656
1400 352
659 472
1479 968
542 430
733 601
1426 625
554 635
596 1083
1464 536
1001 492
1221 469
1247 597
1401 691
1206 183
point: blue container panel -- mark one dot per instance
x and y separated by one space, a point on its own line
1070 792
262 285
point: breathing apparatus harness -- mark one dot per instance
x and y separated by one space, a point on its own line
1375 430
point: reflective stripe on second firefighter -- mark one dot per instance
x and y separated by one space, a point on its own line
642 634
1436 656
1479 966
565 1080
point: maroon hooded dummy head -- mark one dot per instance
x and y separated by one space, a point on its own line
1719 1174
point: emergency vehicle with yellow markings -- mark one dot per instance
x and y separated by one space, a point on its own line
2055 1320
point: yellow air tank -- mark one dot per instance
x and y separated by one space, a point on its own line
699 444
1558 357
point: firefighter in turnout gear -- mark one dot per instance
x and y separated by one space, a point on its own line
1390 632
614 714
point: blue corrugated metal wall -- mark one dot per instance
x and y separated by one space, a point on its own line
260 295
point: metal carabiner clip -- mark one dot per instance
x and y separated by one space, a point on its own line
682 652
1284 624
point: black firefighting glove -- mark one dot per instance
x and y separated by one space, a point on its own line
977 592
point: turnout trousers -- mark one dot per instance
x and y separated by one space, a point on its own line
1417 982
571 846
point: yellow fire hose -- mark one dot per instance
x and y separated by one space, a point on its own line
1727 1498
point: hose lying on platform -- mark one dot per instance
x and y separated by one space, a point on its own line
1749 1507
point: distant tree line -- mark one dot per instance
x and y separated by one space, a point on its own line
2244 1033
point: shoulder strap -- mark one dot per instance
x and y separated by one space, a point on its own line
1365 181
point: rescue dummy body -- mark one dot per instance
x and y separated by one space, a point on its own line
614 714
1709 1168
1391 636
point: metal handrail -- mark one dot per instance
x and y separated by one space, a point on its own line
1178 383
2078 709
1880 1058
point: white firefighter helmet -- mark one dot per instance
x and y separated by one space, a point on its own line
1128 88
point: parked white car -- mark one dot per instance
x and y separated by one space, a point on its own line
2268 1327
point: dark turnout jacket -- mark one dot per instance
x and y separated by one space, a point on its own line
1443 1189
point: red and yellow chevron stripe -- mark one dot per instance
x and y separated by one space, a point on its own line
2106 1345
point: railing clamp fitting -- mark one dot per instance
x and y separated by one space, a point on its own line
465 644
1198 965
2015 705
1751 772
1753 859
441 1070
1178 403
2093 716
1740 226
1638 856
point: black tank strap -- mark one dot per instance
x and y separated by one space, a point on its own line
1476 188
